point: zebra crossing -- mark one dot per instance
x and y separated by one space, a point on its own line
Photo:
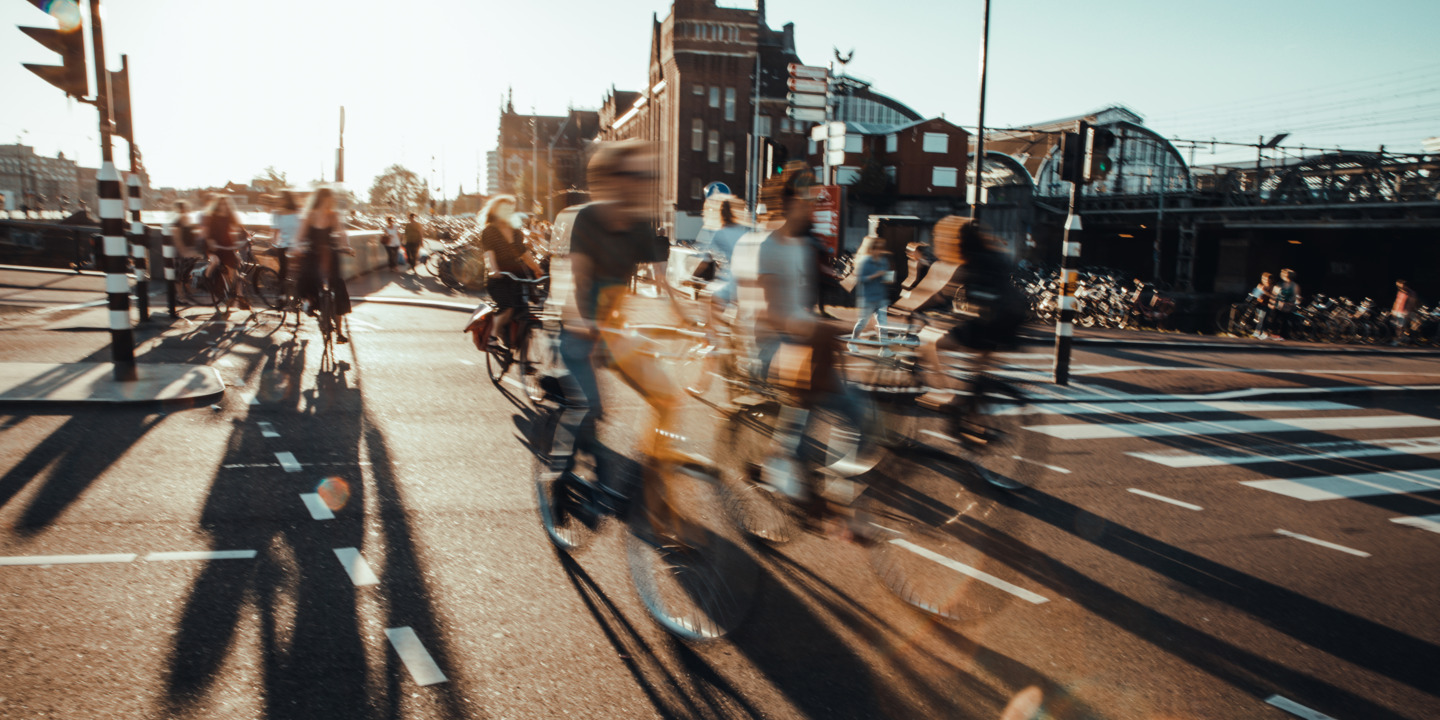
1202 433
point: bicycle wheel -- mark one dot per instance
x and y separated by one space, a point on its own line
701 591
564 503
325 321
1001 443
220 292
539 362
265 284
497 361
756 507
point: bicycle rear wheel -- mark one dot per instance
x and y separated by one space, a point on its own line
1001 443
756 507
564 502
265 283
497 362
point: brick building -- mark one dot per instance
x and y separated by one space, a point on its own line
541 152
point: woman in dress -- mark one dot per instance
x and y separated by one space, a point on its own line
325 240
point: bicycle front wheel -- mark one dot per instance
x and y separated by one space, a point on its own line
265 284
1003 442
538 363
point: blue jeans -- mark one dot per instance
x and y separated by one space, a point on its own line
582 405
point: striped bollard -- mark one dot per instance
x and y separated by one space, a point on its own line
168 247
117 285
140 249
1069 277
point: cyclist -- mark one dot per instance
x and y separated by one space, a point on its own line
224 238
324 240
778 282
505 252
183 235
998 307
611 238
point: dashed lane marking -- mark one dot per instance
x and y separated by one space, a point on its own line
1176 407
1162 498
1424 522
467 362
288 461
513 383
1335 487
68 559
239 466
1296 709
1323 543
201 555
317 507
1089 431
267 430
355 565
1212 457
417 659
971 572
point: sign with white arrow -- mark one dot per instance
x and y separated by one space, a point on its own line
807 114
806 100
808 72
807 86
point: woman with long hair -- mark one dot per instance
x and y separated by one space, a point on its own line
325 240
505 252
224 238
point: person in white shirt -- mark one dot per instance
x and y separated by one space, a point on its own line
391 241
284 223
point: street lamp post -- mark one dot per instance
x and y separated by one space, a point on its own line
980 129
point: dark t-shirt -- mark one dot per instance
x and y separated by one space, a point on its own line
613 255
507 253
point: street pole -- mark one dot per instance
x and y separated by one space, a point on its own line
1069 257
139 247
980 130
112 219
753 183
534 159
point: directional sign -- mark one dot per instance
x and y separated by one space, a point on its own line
807 114
808 72
836 142
806 100
826 215
836 157
807 86
819 133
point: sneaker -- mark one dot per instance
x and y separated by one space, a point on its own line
340 338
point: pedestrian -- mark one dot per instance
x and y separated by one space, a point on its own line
325 241
284 223
1285 300
1402 311
391 240
224 238
872 289
1261 297
414 236
505 252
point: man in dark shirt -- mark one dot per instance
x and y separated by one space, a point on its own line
414 236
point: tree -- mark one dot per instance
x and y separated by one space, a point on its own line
398 190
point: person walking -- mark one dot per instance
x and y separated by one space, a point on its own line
1285 301
391 240
284 223
414 236
1261 297
1401 312
872 291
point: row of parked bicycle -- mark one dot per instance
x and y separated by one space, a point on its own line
1335 320
1103 298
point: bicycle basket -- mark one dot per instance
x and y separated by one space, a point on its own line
480 324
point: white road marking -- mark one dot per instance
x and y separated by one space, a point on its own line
288 461
1334 487
940 435
317 507
68 559
1296 709
1162 498
1424 522
1323 543
1055 468
1089 431
417 659
467 362
359 570
201 555
1212 457
254 400
352 463
267 430
968 571
512 382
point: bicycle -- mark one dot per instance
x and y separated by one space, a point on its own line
328 322
529 341
697 590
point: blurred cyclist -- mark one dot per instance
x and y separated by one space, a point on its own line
611 238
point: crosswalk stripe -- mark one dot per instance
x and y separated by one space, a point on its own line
1424 522
1182 406
1089 431
1334 487
1212 457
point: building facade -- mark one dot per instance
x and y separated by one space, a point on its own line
33 181
540 158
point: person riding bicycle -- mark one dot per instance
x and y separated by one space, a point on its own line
225 237
611 238
778 280
324 239
997 309
505 252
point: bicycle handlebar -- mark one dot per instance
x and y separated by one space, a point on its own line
540 279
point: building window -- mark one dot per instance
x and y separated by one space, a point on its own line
729 156
892 142
714 154
784 124
813 147
854 143
729 103
699 89
697 134
695 189
715 97
764 126
936 143
944 177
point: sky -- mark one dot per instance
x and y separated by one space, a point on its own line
222 90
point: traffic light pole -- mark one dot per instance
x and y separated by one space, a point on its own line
1069 258
112 219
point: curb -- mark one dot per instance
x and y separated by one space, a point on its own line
1222 346
119 400
1248 394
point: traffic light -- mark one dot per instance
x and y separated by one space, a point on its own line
120 100
1072 158
68 41
1098 161
775 156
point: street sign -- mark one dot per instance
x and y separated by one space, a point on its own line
717 187
836 157
808 72
837 128
807 114
835 142
806 100
819 132
807 86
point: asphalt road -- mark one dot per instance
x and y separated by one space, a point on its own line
1221 557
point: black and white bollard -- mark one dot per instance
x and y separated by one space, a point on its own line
140 249
117 284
